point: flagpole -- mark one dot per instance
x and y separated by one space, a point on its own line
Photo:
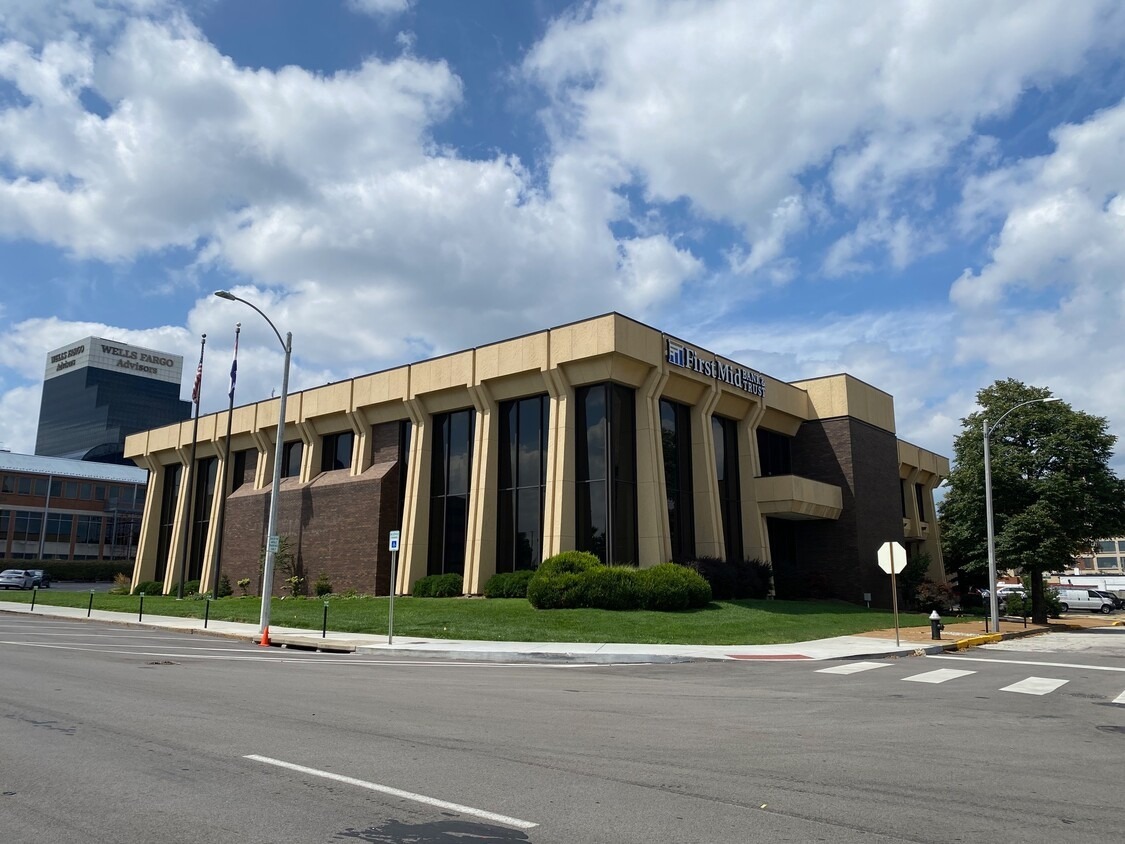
191 470
226 466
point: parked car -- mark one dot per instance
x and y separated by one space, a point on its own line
1116 599
16 579
42 578
1084 599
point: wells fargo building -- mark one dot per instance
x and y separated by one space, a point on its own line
604 435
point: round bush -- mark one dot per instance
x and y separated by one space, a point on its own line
439 586
559 582
509 584
149 587
673 587
612 588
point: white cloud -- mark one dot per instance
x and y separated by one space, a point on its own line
729 104
380 8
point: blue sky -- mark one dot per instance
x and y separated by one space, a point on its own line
926 195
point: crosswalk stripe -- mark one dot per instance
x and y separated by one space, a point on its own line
1035 686
1120 699
941 675
852 667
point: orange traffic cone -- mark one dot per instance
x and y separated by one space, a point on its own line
265 643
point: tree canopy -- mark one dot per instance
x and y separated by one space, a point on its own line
1053 493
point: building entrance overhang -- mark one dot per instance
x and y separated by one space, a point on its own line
794 497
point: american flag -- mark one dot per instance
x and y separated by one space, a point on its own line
198 382
234 362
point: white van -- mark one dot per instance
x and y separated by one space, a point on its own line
1084 599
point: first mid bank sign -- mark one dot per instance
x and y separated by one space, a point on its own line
744 379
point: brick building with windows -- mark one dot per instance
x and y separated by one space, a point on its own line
604 435
52 508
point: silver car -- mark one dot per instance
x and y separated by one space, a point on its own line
16 579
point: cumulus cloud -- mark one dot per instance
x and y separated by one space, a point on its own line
731 106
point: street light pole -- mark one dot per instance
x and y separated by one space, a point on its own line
272 539
993 600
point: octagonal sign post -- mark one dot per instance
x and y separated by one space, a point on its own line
892 560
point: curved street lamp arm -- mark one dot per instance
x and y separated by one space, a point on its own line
226 294
992 428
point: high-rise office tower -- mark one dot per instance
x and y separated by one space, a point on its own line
97 391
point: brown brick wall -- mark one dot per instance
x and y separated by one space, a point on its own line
337 525
836 559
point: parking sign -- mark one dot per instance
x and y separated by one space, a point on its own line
394 540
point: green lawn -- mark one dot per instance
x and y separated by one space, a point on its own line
514 620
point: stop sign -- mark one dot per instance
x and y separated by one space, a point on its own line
892 557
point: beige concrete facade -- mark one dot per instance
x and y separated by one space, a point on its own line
555 362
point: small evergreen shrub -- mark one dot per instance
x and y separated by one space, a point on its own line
223 590
439 586
509 584
671 587
612 588
559 582
149 587
322 586
191 587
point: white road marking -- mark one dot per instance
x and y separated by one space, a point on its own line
1035 686
1120 699
852 667
1029 662
942 675
397 792
325 659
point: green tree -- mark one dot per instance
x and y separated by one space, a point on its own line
1053 493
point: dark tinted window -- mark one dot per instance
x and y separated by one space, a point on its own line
774 453
522 471
725 432
337 451
675 437
291 459
606 472
450 467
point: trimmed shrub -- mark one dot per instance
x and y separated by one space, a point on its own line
82 570
670 587
611 588
323 585
223 590
439 586
509 584
191 587
559 582
149 587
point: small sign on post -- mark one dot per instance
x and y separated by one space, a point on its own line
273 544
393 547
892 560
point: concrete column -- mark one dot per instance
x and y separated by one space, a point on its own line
705 479
361 453
558 507
480 544
654 544
148 539
179 535
755 542
414 542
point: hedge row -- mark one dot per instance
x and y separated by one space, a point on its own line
79 570
735 579
439 586
576 579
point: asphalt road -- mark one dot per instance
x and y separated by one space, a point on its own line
111 734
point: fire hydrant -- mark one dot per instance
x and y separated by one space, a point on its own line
935 625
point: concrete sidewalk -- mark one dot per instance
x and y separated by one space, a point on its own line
912 641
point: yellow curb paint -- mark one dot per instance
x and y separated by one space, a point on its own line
973 641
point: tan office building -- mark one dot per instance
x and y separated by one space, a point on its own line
604 435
